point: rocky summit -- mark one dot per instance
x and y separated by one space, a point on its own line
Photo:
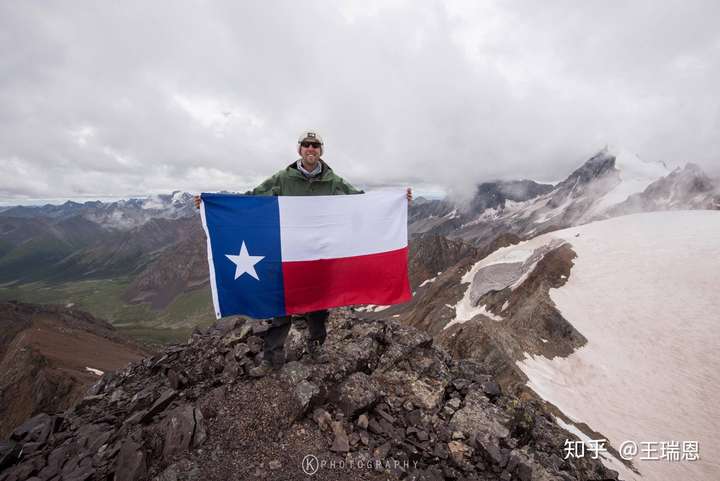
389 405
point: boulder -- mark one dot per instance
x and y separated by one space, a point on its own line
9 451
357 393
341 443
131 462
322 418
479 416
182 429
304 393
458 451
159 406
36 429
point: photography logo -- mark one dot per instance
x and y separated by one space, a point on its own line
310 464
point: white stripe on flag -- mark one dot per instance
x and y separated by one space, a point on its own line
211 264
330 227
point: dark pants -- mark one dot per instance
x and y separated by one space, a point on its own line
280 327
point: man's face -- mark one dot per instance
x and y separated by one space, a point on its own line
310 152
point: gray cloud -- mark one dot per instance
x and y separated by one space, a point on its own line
139 97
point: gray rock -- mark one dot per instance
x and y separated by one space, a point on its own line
363 421
231 340
454 403
241 350
426 393
402 341
357 393
524 471
183 470
210 403
80 474
491 449
159 406
200 434
225 325
295 372
89 401
182 429
341 443
254 344
232 368
491 388
322 418
458 451
117 395
258 326
9 451
479 416
374 426
36 429
304 393
383 414
381 452
131 462
55 461
135 418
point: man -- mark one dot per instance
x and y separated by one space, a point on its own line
309 175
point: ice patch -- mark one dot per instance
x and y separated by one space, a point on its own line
465 311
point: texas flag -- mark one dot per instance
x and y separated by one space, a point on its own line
279 255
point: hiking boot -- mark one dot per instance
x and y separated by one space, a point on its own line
271 362
263 369
317 353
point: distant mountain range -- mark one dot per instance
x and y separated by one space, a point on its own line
141 240
611 183
119 215
90 240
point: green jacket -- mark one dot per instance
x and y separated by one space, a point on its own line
290 181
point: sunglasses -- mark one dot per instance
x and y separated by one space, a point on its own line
316 145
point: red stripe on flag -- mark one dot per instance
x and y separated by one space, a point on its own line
370 279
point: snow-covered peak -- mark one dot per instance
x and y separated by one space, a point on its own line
635 176
166 201
632 167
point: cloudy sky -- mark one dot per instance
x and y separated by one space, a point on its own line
104 98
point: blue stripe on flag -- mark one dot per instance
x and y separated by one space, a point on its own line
244 236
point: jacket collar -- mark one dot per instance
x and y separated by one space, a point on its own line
293 170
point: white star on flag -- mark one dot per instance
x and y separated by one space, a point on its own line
244 262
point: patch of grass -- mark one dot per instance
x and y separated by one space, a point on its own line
155 336
103 299
190 309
